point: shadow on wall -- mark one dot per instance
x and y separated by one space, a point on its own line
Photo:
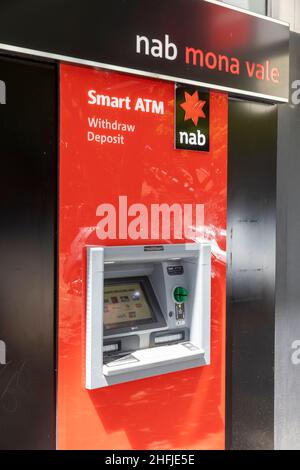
137 401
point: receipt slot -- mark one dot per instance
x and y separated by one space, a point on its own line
148 311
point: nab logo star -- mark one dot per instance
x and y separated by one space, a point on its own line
193 107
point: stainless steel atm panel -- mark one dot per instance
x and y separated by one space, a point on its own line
148 311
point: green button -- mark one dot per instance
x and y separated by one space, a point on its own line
180 294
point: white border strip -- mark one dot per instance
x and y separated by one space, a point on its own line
90 63
248 12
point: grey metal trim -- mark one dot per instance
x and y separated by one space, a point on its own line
248 12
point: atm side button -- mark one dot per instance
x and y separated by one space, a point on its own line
168 338
110 348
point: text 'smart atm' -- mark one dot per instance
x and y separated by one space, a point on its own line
148 311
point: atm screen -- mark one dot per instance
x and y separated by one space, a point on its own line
129 304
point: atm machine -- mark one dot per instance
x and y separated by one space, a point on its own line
148 311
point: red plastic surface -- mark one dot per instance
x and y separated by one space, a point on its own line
183 410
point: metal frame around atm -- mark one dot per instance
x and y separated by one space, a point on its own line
97 258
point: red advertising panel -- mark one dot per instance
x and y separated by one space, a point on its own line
117 159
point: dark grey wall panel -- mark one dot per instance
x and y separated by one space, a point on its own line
28 144
251 275
287 370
